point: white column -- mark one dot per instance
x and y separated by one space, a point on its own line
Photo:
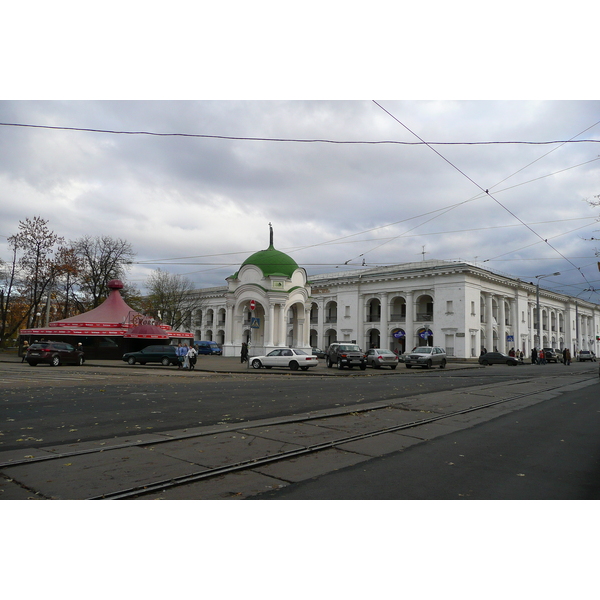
514 321
383 325
270 324
501 325
306 328
282 341
489 323
410 322
228 324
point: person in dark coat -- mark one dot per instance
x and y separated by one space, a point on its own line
244 353
534 357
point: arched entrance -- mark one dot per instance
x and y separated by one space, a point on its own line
373 338
425 336
398 340
329 337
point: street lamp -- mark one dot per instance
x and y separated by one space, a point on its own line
537 301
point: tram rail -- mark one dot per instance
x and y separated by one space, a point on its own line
164 484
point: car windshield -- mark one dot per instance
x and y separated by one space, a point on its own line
423 350
349 348
380 351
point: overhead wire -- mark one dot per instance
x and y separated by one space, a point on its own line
486 191
295 140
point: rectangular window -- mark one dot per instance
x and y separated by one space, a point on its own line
449 310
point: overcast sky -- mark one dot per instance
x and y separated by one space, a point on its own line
200 205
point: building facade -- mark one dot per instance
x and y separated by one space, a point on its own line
457 305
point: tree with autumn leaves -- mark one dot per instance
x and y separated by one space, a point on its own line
48 277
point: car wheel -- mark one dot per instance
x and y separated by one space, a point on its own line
165 362
293 366
485 363
131 360
443 365
54 361
340 366
428 364
256 364
32 363
363 367
393 367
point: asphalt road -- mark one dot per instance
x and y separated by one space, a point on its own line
548 451
46 405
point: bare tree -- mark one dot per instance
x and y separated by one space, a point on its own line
169 298
68 271
7 285
36 269
102 258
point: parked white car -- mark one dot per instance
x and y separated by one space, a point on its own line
293 358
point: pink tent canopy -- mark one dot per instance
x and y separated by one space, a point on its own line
112 318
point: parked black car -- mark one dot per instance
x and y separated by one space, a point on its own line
54 354
166 355
346 355
498 358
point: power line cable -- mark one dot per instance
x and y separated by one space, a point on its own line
296 140
482 189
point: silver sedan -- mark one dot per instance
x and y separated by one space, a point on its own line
380 357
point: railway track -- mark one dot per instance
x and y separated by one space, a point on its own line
286 439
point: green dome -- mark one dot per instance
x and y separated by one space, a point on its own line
272 262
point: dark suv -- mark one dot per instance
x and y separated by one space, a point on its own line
54 354
346 355
166 355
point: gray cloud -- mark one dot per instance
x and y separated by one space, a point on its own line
211 198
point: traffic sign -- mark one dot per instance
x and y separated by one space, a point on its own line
255 323
252 304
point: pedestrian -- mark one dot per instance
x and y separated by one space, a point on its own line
181 352
24 350
192 356
534 357
244 353
542 357
186 360
568 357
511 352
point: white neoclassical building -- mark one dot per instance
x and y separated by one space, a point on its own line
457 305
